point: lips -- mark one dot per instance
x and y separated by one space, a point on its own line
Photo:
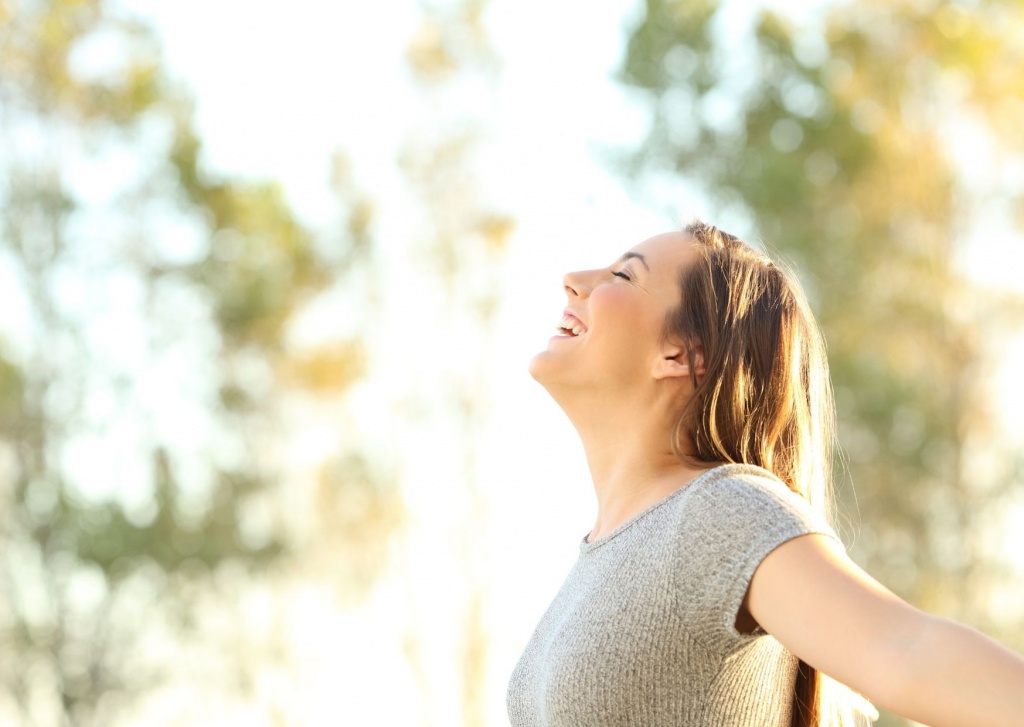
570 325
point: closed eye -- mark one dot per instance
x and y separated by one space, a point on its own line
622 275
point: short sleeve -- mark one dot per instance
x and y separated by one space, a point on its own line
732 520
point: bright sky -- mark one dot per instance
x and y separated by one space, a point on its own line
279 87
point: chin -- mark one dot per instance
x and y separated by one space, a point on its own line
536 367
547 370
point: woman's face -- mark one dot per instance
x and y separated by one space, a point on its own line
610 334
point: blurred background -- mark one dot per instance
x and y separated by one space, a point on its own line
271 274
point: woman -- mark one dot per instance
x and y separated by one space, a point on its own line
711 587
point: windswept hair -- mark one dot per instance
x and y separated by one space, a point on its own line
765 397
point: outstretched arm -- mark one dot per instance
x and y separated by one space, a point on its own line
810 596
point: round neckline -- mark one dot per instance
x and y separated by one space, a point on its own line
587 547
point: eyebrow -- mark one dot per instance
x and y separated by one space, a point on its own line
638 256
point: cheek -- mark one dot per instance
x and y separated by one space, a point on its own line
631 320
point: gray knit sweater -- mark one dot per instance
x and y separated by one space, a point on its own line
642 633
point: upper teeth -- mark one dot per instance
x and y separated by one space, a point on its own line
571 324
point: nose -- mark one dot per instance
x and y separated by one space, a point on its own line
575 285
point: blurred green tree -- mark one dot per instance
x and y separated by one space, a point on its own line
839 139
832 139
144 362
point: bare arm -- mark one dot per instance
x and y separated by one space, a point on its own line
811 597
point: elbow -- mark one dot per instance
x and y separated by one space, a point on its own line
905 659
945 673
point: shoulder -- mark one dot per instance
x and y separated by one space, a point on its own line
741 477
743 510
733 517
747 486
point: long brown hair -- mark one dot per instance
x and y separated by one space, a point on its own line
765 397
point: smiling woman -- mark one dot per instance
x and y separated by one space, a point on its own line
712 589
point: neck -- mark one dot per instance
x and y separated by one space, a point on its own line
629 453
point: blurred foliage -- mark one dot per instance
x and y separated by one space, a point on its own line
154 305
450 41
836 138
463 243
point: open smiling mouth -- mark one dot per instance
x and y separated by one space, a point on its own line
570 326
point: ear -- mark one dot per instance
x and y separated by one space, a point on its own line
674 361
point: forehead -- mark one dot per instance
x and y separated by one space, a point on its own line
665 254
